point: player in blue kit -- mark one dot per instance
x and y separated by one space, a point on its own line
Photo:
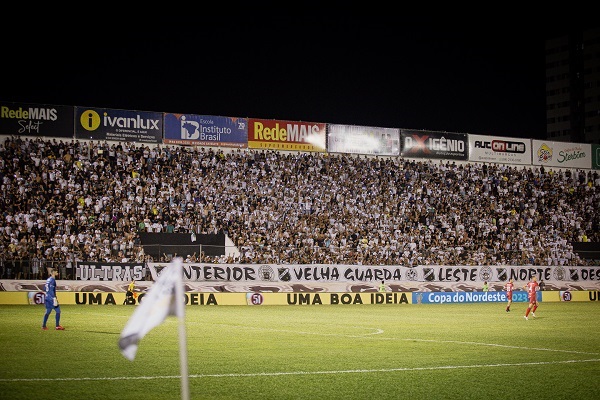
51 301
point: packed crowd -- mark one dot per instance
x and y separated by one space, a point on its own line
69 201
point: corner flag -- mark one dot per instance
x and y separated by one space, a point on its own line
164 298
155 306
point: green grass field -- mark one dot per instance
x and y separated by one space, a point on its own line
453 351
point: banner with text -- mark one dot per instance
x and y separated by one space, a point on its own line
499 150
561 154
353 273
205 130
37 120
286 135
435 145
96 271
118 125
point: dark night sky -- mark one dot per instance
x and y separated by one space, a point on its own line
481 79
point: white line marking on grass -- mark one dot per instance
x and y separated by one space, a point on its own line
353 371
500 345
375 331
380 331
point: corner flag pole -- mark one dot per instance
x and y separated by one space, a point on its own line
180 307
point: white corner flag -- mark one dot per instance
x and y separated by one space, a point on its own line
160 302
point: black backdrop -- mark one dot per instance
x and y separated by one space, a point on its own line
182 244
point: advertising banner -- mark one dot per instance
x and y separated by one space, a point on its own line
435 145
213 299
23 119
287 135
205 130
501 150
576 295
596 156
118 125
562 154
363 140
254 298
469 297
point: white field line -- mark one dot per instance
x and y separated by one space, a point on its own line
372 335
377 331
369 335
354 371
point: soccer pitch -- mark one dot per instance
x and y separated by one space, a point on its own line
417 351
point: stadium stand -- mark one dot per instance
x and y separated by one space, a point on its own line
68 201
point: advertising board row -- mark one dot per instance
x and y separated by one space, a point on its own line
303 299
101 124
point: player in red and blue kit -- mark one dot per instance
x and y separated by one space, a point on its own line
532 288
51 301
509 287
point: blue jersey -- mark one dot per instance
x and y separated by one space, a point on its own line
50 288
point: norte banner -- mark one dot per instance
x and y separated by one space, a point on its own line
355 139
435 145
287 135
118 125
205 130
25 119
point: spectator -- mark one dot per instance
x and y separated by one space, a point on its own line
333 208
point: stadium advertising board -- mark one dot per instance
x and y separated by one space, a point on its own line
24 119
575 295
435 145
596 156
469 297
214 299
98 298
363 140
205 130
287 135
118 125
499 150
561 154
